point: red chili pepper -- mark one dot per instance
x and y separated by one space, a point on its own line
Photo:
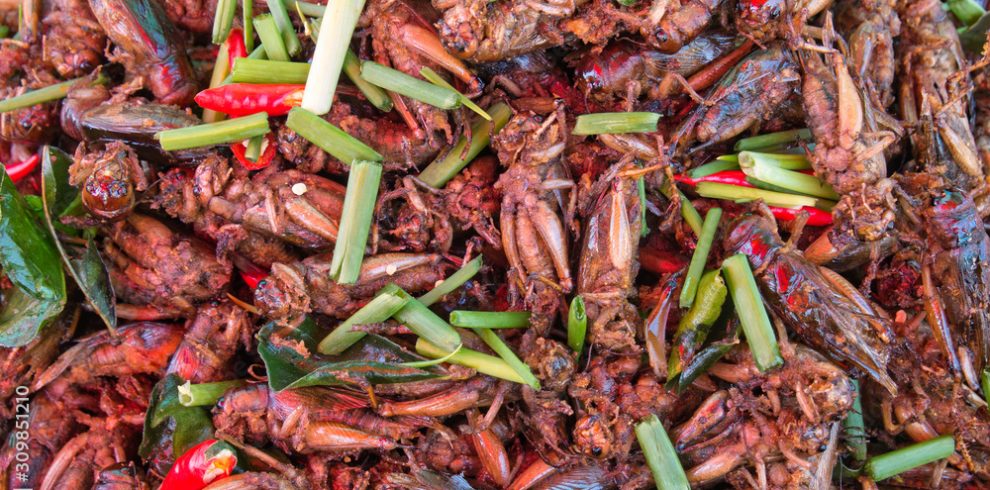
244 99
660 262
206 462
23 168
253 277
816 217
264 160
734 177
235 46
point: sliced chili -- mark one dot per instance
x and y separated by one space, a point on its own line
23 168
267 154
235 46
201 465
244 99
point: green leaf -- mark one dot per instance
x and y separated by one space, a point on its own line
29 259
88 270
292 360
975 36
169 419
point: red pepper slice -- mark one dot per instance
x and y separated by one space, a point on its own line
816 217
244 99
205 463
235 46
267 154
23 168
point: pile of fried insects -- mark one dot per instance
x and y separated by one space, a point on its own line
494 244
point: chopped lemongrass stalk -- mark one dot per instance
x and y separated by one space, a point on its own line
967 11
498 345
700 257
248 70
668 474
308 9
409 86
456 280
854 428
577 324
434 78
223 20
714 190
257 55
311 27
44 94
616 123
205 394
483 363
734 158
285 28
247 13
330 138
772 139
221 68
336 29
270 37
489 319
427 324
752 313
759 184
759 169
691 215
229 131
355 220
641 191
252 151
386 303
715 167
433 362
445 167
787 161
985 384
895 462
378 97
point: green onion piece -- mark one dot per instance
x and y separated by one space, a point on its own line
498 345
616 123
330 138
221 68
309 9
355 220
205 394
668 474
270 37
773 139
247 13
700 257
387 302
854 428
456 280
281 16
715 190
713 168
434 78
489 319
444 168
412 87
427 324
759 184
257 55
641 190
433 362
692 330
223 20
577 324
229 131
378 97
691 215
44 94
967 11
895 462
248 70
786 161
253 149
483 363
752 313
336 29
757 167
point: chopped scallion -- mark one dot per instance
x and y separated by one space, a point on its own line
759 168
483 363
895 462
714 167
270 37
616 123
434 78
378 97
247 70
752 312
336 29
330 138
427 324
715 190
355 220
770 140
668 474
44 94
456 280
223 20
247 19
489 319
409 86
445 167
700 257
281 16
229 131
386 303
577 324
498 345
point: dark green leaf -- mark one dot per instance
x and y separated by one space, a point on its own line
972 39
88 270
29 259
292 361
169 419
